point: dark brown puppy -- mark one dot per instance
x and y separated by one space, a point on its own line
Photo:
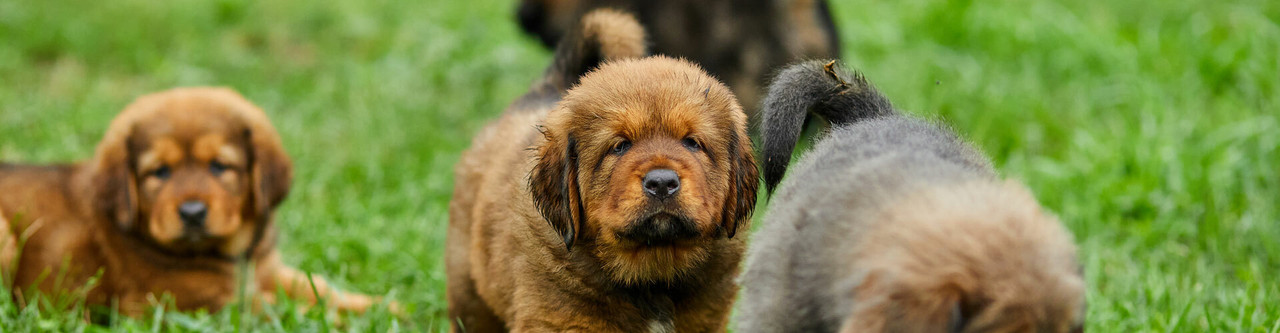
611 210
180 191
739 41
894 224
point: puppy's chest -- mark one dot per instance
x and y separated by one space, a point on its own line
662 325
655 312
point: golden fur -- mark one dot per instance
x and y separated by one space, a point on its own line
985 246
207 152
548 204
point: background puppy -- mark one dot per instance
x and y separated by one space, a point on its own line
615 214
181 189
892 224
741 42
8 249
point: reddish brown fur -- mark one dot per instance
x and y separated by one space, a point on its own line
117 213
511 266
8 249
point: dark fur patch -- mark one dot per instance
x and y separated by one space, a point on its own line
554 184
741 201
817 87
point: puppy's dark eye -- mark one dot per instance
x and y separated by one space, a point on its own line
691 144
621 147
161 173
217 168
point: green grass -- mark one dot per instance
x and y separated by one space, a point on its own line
1150 127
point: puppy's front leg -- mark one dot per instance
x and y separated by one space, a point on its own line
272 274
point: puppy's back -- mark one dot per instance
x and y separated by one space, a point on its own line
864 124
885 208
871 156
37 191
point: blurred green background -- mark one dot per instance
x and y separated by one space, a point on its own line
1150 127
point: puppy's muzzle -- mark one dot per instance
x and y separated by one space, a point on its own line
661 184
193 215
660 229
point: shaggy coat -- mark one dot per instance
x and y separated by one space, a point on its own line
893 224
180 191
611 208
740 42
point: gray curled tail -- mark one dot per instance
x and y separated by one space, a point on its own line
817 87
603 35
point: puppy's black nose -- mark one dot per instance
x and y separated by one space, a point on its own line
661 183
193 213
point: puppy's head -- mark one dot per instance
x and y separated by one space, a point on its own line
193 171
969 258
648 161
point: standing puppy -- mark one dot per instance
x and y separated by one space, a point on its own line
893 224
740 42
612 209
179 193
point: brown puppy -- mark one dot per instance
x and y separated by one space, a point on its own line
611 210
8 249
893 224
739 41
180 191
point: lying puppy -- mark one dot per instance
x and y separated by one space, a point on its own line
610 210
740 42
180 191
8 249
893 224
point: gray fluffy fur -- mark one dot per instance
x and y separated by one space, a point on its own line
871 156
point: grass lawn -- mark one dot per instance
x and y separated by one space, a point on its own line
1150 127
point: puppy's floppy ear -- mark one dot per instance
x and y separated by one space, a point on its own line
554 185
271 171
112 179
111 176
744 181
271 175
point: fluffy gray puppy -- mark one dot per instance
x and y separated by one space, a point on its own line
894 224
